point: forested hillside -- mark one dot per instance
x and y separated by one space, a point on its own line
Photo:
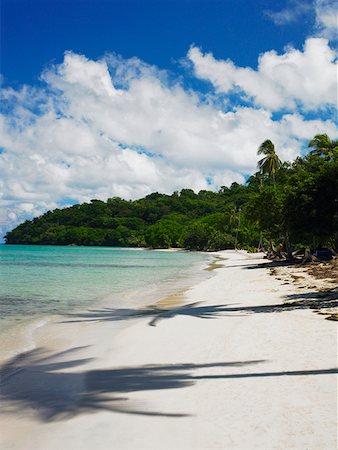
295 201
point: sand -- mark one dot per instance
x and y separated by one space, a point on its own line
228 368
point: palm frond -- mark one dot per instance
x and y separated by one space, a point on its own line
270 164
266 148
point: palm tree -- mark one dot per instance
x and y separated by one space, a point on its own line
323 146
271 163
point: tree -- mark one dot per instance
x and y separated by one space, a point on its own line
164 234
271 163
323 146
311 207
196 236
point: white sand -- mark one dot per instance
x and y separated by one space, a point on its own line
212 375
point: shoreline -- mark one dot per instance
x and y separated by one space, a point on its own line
190 377
115 311
22 337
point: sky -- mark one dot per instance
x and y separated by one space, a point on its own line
123 98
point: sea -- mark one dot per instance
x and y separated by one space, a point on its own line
37 281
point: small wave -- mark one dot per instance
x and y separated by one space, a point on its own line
20 339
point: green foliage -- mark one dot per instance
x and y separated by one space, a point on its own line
298 200
323 146
196 236
164 234
266 208
271 163
220 241
311 204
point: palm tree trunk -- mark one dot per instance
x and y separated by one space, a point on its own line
289 256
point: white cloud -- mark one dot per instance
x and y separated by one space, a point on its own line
119 127
322 13
294 10
327 18
306 79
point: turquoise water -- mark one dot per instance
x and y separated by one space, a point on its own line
42 280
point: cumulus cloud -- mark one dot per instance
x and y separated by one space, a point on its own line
115 127
295 79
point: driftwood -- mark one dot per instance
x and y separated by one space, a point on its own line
300 255
334 252
308 257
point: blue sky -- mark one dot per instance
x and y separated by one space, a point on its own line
159 32
103 98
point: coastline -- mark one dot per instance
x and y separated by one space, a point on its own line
116 312
227 367
20 336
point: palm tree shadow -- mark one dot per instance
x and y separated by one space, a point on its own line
155 313
45 385
310 300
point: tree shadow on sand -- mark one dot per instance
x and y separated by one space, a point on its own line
155 313
48 386
266 264
310 300
45 385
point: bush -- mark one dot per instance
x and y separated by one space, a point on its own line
196 237
220 241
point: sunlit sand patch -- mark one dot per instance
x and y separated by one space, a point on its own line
215 264
171 301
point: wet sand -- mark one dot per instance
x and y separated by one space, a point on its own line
222 365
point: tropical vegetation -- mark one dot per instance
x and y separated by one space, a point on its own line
295 203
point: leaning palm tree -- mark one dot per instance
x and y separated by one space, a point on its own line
271 163
323 146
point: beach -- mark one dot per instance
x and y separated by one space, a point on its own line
222 364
